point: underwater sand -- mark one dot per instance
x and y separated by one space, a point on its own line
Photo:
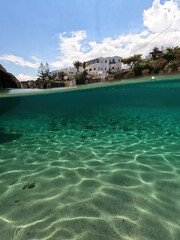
101 163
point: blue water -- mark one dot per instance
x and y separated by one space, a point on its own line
99 163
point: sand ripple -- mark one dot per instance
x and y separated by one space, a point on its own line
107 175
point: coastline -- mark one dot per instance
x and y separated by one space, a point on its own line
27 92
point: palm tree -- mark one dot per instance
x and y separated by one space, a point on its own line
170 53
155 52
77 65
61 76
84 64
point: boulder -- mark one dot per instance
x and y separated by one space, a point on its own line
7 80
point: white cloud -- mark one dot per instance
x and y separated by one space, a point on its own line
22 77
71 48
160 17
162 28
20 61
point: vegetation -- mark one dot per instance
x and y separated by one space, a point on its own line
131 60
80 77
61 76
43 71
158 63
84 64
77 65
168 62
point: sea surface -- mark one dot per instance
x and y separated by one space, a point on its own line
101 163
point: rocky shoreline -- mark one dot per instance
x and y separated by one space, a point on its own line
8 80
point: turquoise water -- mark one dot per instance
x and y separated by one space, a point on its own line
101 163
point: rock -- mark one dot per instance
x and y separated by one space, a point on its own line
29 186
93 79
24 84
47 84
7 80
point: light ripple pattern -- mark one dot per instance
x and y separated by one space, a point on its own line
101 163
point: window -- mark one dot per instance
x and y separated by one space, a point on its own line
94 68
101 69
98 68
119 60
105 61
105 69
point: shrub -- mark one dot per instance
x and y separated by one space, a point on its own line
145 72
80 77
129 74
138 67
159 64
173 65
177 54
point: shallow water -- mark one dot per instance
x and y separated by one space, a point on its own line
101 163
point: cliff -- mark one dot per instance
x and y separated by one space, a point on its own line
8 80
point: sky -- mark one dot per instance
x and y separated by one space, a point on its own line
63 31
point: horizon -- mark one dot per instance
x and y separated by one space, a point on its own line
53 32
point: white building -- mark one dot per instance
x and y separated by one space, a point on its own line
70 72
96 67
100 66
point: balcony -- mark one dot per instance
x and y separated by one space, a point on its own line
112 62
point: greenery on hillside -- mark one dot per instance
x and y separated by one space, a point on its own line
159 63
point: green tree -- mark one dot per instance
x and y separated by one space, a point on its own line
171 53
155 53
61 76
43 71
132 60
77 65
80 77
84 64
46 69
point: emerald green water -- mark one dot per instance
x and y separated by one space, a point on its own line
101 163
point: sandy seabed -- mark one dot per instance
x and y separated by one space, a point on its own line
109 173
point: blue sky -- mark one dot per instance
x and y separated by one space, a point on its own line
32 31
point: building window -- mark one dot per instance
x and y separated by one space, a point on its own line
94 68
105 69
119 60
105 61
101 69
98 68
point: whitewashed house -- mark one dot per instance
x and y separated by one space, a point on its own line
97 67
